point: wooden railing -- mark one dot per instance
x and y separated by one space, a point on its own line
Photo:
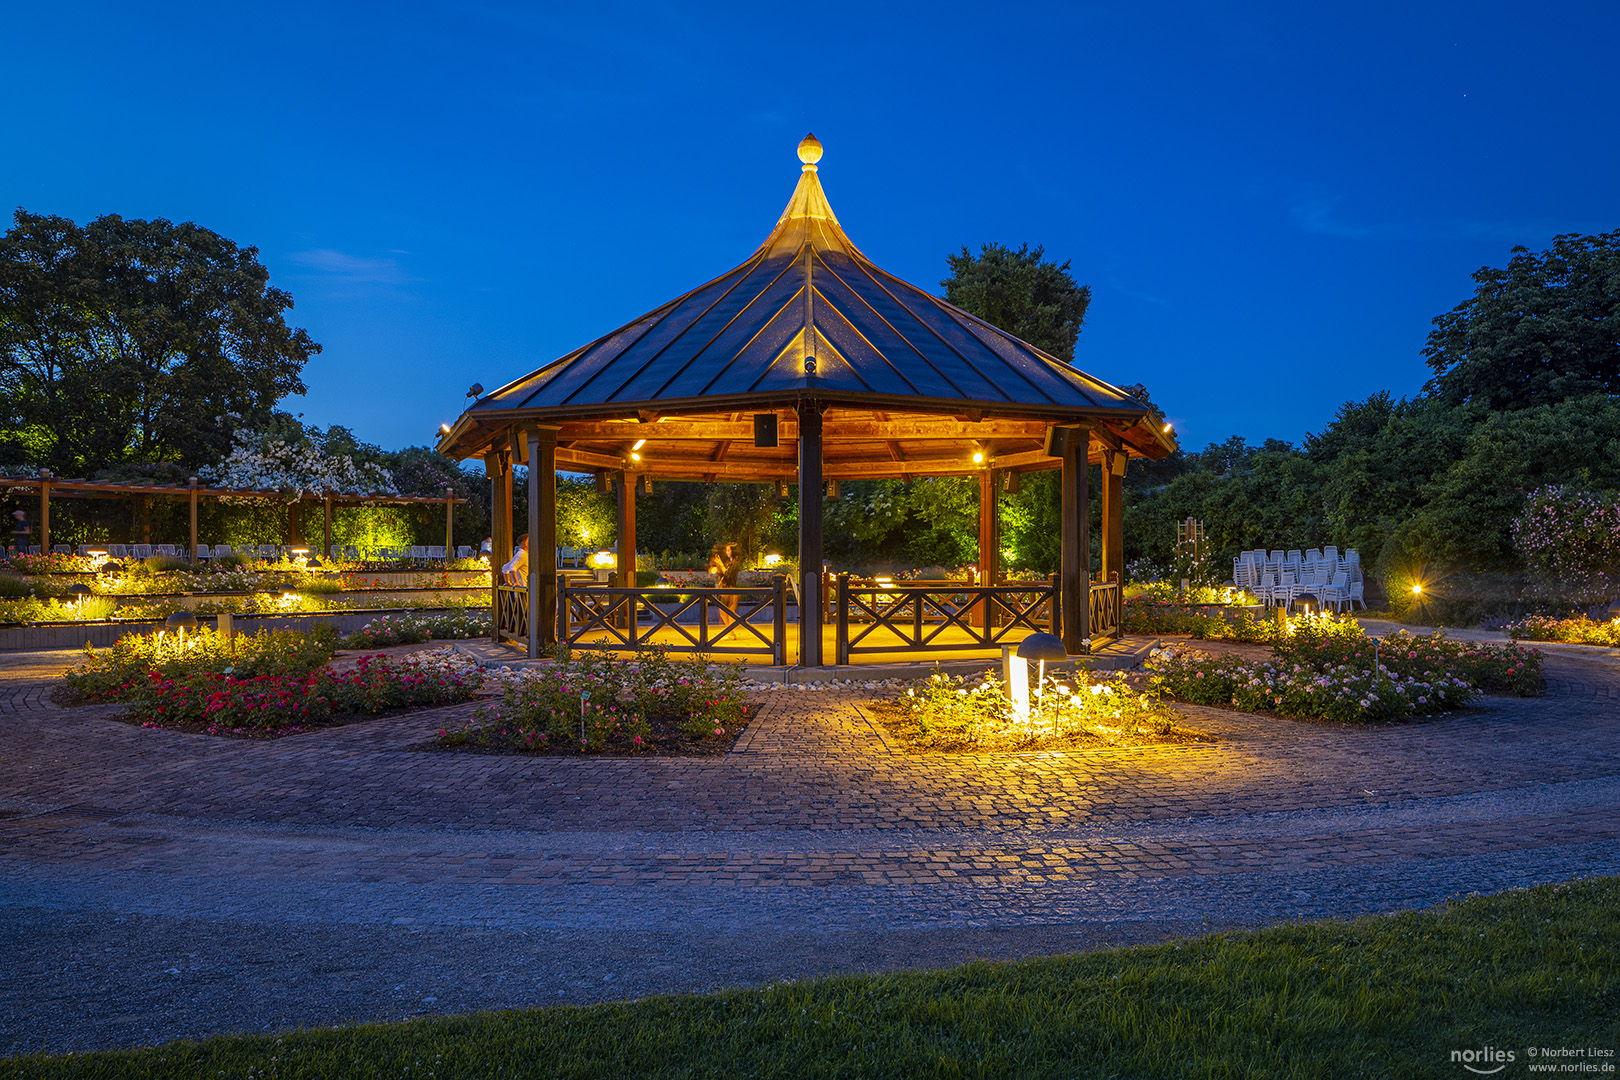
1107 610
911 618
614 617
511 613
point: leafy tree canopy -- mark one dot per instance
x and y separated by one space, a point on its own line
135 341
1542 331
1019 291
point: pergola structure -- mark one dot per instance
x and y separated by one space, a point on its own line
809 364
45 485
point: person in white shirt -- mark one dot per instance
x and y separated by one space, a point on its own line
516 572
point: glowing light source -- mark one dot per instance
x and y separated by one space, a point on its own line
978 457
1167 429
639 444
98 557
1417 588
604 560
444 429
634 456
772 559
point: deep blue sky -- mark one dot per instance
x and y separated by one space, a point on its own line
1269 201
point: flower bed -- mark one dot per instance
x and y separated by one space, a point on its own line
973 714
1494 669
1148 614
219 703
108 674
1580 631
591 704
412 628
1333 693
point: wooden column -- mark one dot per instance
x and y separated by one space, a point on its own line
449 525
1113 517
989 539
810 537
193 522
326 527
45 512
498 467
1074 577
295 530
624 494
542 455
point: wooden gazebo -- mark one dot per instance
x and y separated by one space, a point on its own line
808 364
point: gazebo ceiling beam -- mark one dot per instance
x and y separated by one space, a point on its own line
836 430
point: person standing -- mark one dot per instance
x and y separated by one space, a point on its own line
21 532
725 563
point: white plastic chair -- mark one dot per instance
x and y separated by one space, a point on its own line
1356 588
204 551
117 551
142 551
1337 593
167 549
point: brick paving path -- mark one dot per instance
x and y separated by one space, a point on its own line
145 876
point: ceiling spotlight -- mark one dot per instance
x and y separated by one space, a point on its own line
475 389
634 456
444 429
639 444
978 457
1167 429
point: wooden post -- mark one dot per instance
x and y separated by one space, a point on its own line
1075 576
45 512
810 536
542 455
1113 517
449 525
498 467
194 523
294 526
989 543
326 530
624 494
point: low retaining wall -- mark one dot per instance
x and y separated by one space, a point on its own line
101 634
192 601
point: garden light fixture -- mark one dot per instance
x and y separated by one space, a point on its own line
1308 601
78 591
98 556
1614 610
1416 589
1040 647
772 559
475 389
180 622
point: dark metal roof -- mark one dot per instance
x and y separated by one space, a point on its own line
808 315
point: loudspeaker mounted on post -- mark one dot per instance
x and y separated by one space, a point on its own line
765 432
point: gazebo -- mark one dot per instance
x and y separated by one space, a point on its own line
808 364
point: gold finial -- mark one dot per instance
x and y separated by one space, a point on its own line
810 152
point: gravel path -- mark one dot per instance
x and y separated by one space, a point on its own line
156 885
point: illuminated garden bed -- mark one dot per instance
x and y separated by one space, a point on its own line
598 704
261 686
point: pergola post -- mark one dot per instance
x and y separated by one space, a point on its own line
1113 516
326 527
498 467
1074 577
624 494
45 512
810 536
193 501
294 527
449 525
989 542
542 455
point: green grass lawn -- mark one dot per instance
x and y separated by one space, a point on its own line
1378 997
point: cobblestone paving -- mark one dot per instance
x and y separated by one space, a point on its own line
154 884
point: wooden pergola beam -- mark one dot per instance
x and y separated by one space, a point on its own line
834 431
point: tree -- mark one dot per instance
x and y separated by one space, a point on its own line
136 341
1033 300
1540 332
